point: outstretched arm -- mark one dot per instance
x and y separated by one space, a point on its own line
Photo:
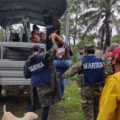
49 55
74 69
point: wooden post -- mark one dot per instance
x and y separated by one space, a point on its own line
67 25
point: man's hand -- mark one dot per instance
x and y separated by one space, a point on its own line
53 36
64 77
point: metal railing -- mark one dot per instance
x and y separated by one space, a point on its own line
11 70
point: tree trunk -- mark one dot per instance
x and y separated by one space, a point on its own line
106 32
75 29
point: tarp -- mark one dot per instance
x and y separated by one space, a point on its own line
14 11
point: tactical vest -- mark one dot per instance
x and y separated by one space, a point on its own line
40 71
93 70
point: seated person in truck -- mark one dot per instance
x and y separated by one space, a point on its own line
43 37
51 23
35 35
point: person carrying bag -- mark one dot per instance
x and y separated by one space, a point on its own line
62 59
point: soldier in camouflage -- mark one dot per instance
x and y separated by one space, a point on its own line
39 67
89 93
108 60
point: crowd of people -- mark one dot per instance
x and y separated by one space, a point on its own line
46 68
98 77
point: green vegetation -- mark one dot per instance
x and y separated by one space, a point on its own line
71 105
75 55
89 39
86 40
1 34
116 39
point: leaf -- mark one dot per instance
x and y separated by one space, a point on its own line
116 22
92 24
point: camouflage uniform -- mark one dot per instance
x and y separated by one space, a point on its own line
49 93
108 66
108 61
89 94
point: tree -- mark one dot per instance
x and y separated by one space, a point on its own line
76 7
89 39
116 39
74 19
105 10
2 34
75 12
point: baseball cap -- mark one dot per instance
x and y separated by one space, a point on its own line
109 54
116 54
90 48
112 47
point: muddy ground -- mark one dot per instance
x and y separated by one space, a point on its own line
18 104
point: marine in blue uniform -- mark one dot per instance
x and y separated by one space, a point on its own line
39 67
90 72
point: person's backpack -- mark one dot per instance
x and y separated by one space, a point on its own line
60 52
93 70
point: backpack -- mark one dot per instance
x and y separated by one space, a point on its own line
93 70
60 52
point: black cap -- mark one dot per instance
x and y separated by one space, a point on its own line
90 48
35 27
36 48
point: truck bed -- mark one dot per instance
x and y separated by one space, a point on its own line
12 62
11 73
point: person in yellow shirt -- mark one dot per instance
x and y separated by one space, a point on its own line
109 105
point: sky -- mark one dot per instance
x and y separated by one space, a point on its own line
42 28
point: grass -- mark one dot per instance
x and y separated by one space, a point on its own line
71 105
68 109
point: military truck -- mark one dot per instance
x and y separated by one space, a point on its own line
13 53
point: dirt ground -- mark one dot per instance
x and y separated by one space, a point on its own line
18 104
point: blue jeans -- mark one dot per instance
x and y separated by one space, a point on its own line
61 67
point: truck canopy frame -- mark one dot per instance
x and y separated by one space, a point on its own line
14 11
25 12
